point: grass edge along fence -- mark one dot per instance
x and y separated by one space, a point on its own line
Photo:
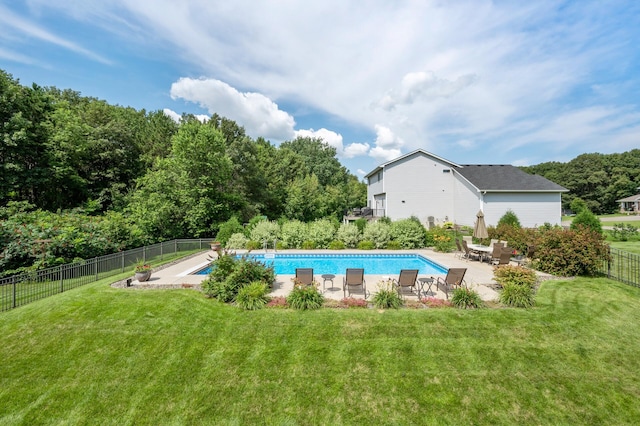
18 290
623 266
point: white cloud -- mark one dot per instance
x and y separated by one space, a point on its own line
331 138
356 149
502 83
177 117
259 115
386 139
361 172
383 154
424 85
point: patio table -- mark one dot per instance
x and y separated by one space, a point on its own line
481 250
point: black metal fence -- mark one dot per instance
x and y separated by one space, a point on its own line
18 290
623 266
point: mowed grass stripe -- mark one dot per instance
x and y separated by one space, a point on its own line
113 356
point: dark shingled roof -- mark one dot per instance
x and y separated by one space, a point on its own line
506 178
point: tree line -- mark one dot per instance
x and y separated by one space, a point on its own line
75 156
598 179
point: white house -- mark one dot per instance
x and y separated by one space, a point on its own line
431 188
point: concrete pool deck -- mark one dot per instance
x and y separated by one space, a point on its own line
479 275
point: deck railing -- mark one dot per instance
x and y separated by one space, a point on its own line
18 290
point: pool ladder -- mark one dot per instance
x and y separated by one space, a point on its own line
266 248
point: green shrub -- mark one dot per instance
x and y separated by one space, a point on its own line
361 224
578 205
253 245
571 252
465 298
253 222
228 275
387 297
366 245
237 241
349 234
393 245
227 229
322 232
305 297
309 245
622 232
517 295
586 219
293 233
508 274
253 296
265 231
409 233
378 232
336 245
509 218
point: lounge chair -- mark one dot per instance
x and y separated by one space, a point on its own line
304 276
353 279
453 280
408 279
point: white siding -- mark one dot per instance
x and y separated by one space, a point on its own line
532 209
375 187
467 202
418 186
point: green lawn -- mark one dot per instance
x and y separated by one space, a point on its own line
98 355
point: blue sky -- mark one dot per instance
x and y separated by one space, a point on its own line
475 82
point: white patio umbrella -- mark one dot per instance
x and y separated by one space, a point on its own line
480 230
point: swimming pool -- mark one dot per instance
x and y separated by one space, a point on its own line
373 264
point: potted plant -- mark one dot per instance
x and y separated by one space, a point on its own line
142 271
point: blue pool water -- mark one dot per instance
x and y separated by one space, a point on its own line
373 264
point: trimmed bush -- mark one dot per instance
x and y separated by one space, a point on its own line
465 298
336 245
366 245
508 274
408 232
237 241
393 245
253 296
571 252
349 234
378 232
322 232
265 230
253 245
309 245
305 298
387 297
294 233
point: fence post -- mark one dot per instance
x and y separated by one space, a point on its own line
95 267
13 282
122 261
161 255
144 254
61 279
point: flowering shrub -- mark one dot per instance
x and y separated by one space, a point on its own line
442 243
321 232
252 296
508 274
387 296
408 232
265 230
277 302
305 297
349 234
237 241
465 298
351 302
433 302
294 233
377 232
571 252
